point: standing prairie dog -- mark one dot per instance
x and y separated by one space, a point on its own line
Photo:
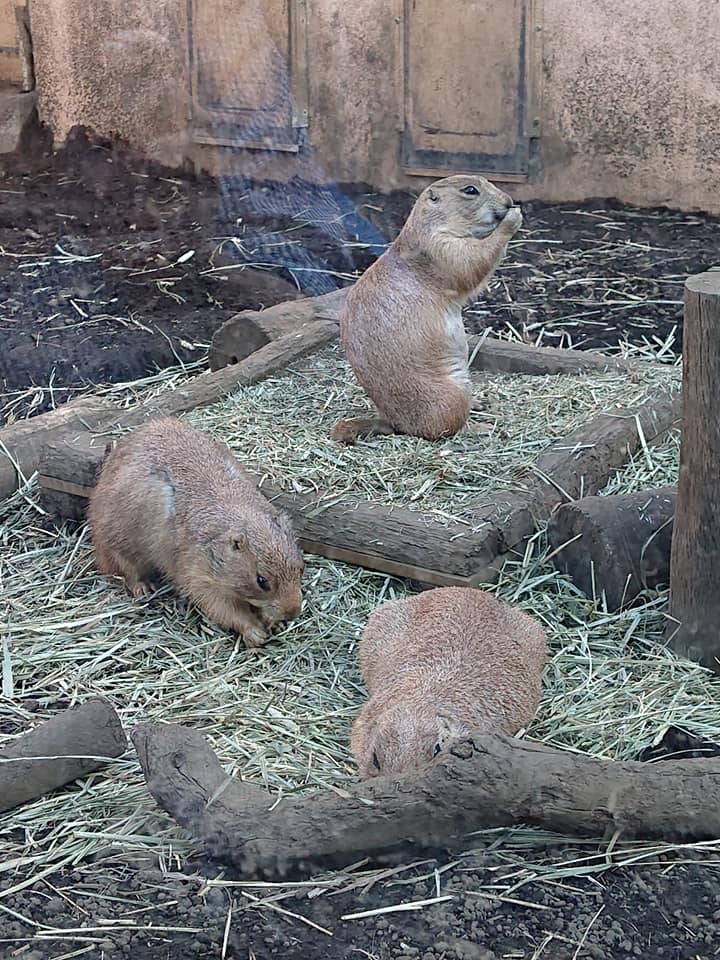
401 326
439 666
170 500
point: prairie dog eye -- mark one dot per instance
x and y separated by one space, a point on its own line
263 583
237 545
470 191
436 749
376 762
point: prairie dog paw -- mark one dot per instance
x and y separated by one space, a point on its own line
344 431
513 220
254 637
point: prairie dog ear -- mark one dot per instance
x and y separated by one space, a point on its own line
444 724
239 540
432 195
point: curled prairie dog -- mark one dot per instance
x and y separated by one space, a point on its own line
170 500
439 666
401 326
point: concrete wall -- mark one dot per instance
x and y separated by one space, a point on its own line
630 101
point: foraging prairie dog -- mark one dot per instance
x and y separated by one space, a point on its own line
170 500
401 326
439 666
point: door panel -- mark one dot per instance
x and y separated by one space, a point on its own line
466 85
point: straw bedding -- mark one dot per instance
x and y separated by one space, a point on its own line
281 717
280 428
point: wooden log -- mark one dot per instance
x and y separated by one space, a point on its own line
502 356
390 539
394 540
615 546
214 385
484 782
695 558
250 330
582 462
21 443
66 747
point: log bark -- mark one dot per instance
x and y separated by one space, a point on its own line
484 782
502 356
695 559
21 443
402 542
617 546
66 747
250 330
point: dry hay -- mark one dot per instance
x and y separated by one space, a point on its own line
281 717
279 427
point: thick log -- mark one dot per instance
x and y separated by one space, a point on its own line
615 546
250 330
695 558
394 540
484 782
21 443
58 751
582 462
502 356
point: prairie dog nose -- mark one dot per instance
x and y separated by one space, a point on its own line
501 213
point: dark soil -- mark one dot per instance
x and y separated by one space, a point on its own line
666 909
142 299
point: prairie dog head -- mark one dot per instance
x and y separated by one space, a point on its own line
401 738
258 561
460 207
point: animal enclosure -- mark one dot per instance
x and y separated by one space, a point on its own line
188 190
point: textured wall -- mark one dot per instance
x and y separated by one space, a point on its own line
118 66
631 101
630 106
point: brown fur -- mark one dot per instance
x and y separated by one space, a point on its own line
170 500
401 326
439 666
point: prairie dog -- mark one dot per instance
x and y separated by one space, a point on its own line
170 500
439 666
401 326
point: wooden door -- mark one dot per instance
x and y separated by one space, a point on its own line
470 76
249 85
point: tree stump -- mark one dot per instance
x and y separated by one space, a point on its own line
695 558
616 546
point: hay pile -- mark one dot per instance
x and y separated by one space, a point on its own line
280 429
281 717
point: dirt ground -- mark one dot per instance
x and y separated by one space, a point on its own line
111 268
130 908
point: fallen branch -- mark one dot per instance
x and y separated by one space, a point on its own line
58 751
485 782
